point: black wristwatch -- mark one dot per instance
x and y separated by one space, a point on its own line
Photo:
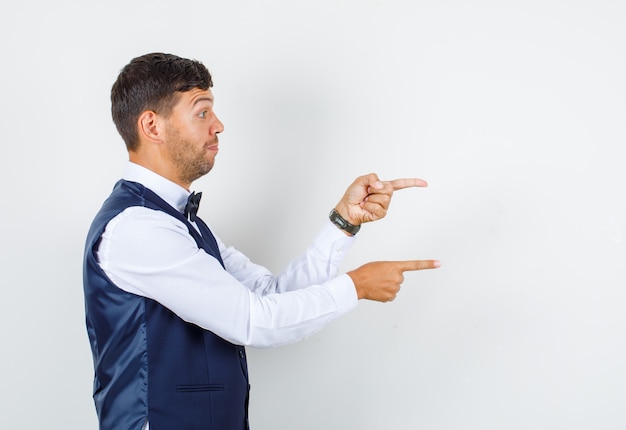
342 223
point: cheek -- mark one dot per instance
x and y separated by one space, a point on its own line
199 131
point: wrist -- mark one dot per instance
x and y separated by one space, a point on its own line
342 223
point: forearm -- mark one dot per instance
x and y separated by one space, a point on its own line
317 264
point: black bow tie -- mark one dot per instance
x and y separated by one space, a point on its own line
191 208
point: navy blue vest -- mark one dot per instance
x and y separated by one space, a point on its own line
149 363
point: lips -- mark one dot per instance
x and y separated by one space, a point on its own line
213 146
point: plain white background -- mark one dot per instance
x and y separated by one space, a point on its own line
515 113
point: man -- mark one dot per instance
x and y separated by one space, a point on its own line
169 308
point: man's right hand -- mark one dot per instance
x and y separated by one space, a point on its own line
381 280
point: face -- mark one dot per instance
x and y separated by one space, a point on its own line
191 133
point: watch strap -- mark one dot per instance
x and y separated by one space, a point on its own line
340 222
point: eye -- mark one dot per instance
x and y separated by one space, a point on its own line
202 114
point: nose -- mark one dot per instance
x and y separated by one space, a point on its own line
217 126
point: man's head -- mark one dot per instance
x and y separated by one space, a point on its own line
162 106
152 82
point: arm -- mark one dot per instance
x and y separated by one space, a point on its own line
366 199
317 264
148 253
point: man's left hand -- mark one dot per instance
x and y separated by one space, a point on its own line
367 198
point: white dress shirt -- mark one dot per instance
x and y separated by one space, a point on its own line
150 253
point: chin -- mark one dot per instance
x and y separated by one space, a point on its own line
206 169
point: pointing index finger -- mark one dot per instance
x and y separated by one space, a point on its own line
399 184
411 265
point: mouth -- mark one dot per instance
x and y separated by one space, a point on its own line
213 146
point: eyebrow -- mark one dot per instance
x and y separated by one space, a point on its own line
202 99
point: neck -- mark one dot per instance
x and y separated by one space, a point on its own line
158 166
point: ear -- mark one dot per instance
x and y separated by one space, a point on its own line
149 127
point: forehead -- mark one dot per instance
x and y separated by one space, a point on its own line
195 96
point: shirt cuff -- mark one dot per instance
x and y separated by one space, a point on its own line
333 242
344 293
328 225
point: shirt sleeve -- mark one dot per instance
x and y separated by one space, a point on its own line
319 263
149 253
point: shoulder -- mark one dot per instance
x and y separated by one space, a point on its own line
142 223
141 238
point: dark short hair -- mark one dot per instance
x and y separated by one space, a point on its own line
152 82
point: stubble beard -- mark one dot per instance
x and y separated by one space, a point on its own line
191 164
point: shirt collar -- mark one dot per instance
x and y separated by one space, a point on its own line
175 195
